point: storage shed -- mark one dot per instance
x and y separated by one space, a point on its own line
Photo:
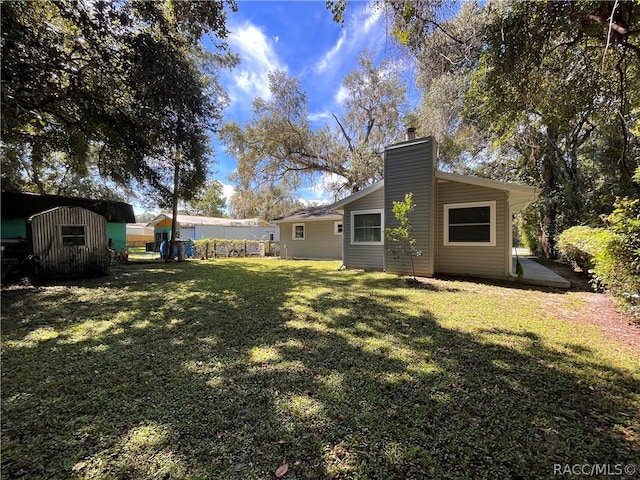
69 242
17 207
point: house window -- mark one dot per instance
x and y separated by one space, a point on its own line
298 231
73 235
366 227
337 228
471 224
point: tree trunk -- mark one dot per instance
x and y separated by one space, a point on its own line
174 204
549 211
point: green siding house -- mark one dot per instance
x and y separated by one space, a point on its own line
19 207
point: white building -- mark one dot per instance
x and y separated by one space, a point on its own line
196 227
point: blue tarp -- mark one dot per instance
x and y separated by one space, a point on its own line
189 249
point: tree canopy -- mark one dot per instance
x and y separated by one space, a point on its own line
208 201
267 201
542 92
278 146
121 89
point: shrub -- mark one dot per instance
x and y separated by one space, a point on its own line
401 237
611 254
580 245
528 225
618 269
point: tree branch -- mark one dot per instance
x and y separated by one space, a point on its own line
344 133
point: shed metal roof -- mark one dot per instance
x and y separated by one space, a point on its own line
24 205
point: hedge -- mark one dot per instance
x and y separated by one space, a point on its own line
610 254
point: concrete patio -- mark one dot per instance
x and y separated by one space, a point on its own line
536 274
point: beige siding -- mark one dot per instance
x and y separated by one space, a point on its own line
409 168
366 257
320 241
68 261
473 260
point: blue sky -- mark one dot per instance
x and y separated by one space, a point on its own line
301 38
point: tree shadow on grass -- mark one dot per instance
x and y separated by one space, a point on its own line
225 370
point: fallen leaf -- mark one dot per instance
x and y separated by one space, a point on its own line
282 469
79 466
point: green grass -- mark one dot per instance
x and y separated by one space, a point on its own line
228 368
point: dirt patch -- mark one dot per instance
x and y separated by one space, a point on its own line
601 309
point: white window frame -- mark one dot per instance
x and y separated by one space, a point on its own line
492 223
367 212
338 227
293 231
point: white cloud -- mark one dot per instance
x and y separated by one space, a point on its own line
362 30
319 117
341 95
326 183
257 58
313 203
329 56
358 33
372 15
227 191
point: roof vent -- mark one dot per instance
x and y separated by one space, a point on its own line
411 133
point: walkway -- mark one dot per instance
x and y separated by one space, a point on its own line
536 274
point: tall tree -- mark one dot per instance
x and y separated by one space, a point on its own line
553 78
209 201
446 59
266 201
278 144
543 91
128 79
53 174
95 80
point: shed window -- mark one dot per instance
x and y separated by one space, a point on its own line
73 235
337 228
471 224
366 227
298 231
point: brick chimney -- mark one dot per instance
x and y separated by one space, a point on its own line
411 134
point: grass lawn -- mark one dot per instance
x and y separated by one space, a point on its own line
231 368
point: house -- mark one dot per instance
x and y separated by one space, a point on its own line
462 224
311 233
138 234
18 207
70 235
196 227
